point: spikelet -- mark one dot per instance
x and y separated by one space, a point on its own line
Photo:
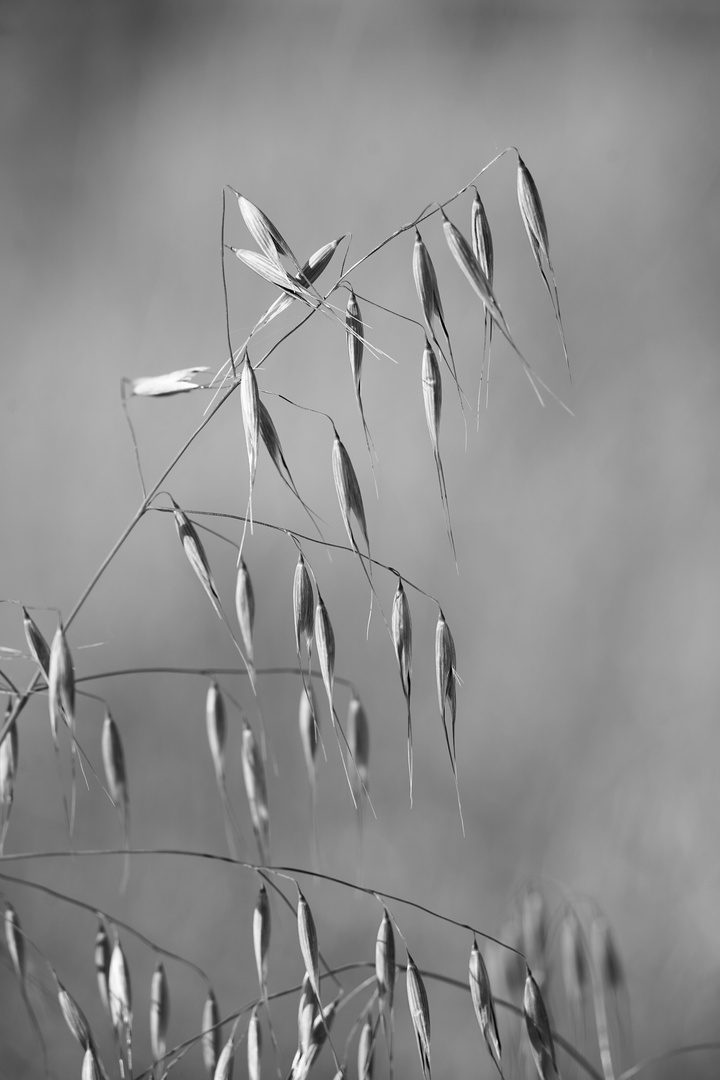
349 494
115 773
473 271
271 439
174 382
574 962
119 992
538 1029
307 936
432 399
271 271
61 699
445 673
261 937
533 216
15 942
102 966
267 237
482 246
250 408
309 273
37 644
224 1067
159 1012
385 963
245 608
325 640
91 1066
74 1017
358 735
308 1012
195 552
429 295
210 1034
309 730
254 1046
256 789
484 1006
401 632
8 771
302 605
355 332
419 1014
216 723
366 1049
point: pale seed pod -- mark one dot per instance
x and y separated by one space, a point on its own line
432 393
307 936
61 683
313 268
15 941
309 732
308 1011
366 1050
355 333
325 639
426 282
173 382
159 1012
210 1034
90 1066
531 210
102 966
8 763
195 553
119 993
216 723
256 789
265 234
484 1005
254 1046
605 955
473 271
74 1018
419 1014
302 604
385 963
574 963
445 661
348 492
401 628
481 237
538 1029
358 735
271 439
224 1067
261 936
270 270
245 607
37 644
250 408
114 763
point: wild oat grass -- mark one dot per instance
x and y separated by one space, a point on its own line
555 966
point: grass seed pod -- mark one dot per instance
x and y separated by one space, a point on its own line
267 237
102 966
318 261
355 332
358 735
325 639
61 683
90 1066
245 607
256 789
15 941
224 1067
159 1012
250 409
419 1014
366 1050
254 1046
195 553
74 1018
481 238
385 963
445 661
37 644
432 393
348 493
484 1006
119 992
261 936
8 767
307 936
401 629
114 762
210 1034
308 1012
303 604
531 210
426 282
538 1029
309 729
473 271
216 722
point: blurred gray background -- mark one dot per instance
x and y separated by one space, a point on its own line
587 608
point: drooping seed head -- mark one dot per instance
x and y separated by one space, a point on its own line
309 732
358 735
318 261
366 1049
159 1012
605 955
385 962
224 1067
348 490
61 682
254 1047
195 554
269 269
245 607
308 1012
538 1029
15 941
432 393
473 271
419 1014
173 382
482 242
216 723
8 762
114 762
119 992
266 235
210 1034
574 963
401 628
355 334
250 408
255 787
37 644
426 282
302 604
325 639
75 1018
307 936
531 209
484 1005
261 935
445 662
102 965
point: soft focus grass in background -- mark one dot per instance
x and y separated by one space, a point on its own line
587 607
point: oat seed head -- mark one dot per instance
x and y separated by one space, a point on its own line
419 1014
216 723
210 1034
159 1011
261 936
307 936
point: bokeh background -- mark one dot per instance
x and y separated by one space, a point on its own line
586 611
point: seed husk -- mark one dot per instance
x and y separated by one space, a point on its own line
15 942
348 493
254 1047
250 408
8 771
37 644
309 729
401 631
538 1029
210 1034
325 639
271 271
266 235
358 733
119 992
428 292
174 382
61 699
75 1018
385 963
419 1014
473 271
484 1005
102 966
245 607
366 1049
307 935
90 1066
224 1067
115 773
303 604
261 937
432 399
445 661
271 439
482 245
195 553
256 789
216 723
355 339
308 1012
159 1011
